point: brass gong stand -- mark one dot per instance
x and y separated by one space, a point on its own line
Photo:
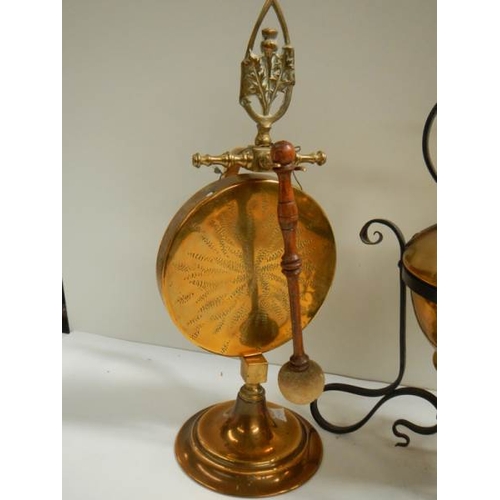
243 267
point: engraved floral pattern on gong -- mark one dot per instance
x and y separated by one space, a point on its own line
224 277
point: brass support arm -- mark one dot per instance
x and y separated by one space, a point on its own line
229 159
318 158
254 158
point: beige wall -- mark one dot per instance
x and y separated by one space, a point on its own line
148 83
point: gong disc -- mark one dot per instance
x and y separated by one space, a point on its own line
219 266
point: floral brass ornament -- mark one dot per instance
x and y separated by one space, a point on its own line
267 75
267 81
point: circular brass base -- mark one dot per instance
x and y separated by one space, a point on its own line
249 450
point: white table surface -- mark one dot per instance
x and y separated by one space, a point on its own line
123 403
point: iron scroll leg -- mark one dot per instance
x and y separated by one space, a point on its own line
392 390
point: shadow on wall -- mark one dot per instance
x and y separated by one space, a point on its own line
65 321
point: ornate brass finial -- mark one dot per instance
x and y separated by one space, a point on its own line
267 75
267 81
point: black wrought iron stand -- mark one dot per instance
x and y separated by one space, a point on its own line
394 389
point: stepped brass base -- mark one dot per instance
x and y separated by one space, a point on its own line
249 448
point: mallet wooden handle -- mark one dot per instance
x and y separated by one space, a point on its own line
301 380
283 156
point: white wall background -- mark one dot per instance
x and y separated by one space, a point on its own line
148 83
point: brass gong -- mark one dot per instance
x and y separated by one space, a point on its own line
243 266
218 267
219 275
